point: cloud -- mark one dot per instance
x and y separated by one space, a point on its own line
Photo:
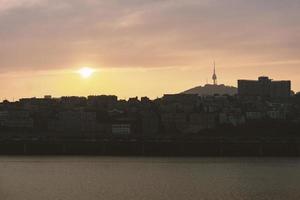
6 5
41 34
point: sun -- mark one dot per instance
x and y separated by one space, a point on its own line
86 72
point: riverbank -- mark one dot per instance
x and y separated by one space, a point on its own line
218 147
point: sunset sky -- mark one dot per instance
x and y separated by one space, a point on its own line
143 47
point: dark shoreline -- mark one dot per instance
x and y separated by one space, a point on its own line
217 147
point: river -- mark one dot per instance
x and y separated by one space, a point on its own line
137 178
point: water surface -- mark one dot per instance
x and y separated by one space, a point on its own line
111 178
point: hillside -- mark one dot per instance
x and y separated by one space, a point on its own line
209 89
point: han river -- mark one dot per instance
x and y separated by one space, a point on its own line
130 178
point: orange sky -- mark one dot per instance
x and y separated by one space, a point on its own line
143 47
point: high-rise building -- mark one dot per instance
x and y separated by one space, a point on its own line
264 87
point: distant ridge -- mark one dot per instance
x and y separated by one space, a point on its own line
209 89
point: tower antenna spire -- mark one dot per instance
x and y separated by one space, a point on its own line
214 77
214 67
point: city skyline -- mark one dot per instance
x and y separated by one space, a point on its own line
144 48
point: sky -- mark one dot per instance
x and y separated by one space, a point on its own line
144 47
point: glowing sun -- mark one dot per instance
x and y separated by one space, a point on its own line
86 72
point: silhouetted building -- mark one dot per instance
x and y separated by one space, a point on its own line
124 126
174 122
145 100
180 98
264 87
149 123
121 129
73 101
102 101
47 97
71 122
179 103
16 119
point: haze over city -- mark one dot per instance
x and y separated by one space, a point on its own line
145 47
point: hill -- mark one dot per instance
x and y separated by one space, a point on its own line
209 89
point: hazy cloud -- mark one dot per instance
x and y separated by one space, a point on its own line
49 34
6 5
